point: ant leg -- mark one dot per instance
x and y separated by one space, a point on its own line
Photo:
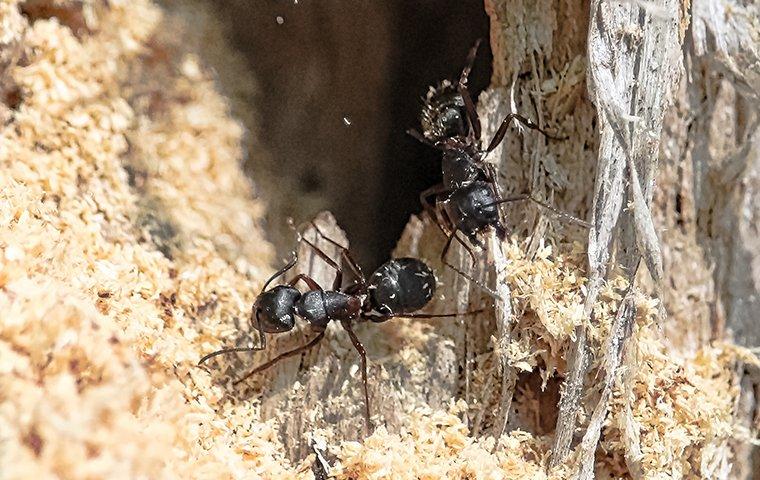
310 282
473 240
338 271
345 255
281 356
446 247
363 354
556 211
502 131
477 283
432 209
435 190
459 270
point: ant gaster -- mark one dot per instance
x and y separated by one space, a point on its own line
398 288
468 198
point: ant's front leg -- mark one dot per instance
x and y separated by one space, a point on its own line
345 255
338 270
310 282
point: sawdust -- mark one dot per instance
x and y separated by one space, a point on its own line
131 245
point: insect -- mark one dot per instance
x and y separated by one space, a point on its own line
468 199
398 288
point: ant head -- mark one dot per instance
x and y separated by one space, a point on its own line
275 309
443 114
399 286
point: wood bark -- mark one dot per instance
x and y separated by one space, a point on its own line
644 63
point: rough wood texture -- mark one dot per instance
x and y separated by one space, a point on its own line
320 392
634 58
632 70
131 246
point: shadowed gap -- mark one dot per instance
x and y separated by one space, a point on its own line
337 85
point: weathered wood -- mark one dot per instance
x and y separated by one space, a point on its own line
320 392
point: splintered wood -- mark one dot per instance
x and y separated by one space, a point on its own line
131 246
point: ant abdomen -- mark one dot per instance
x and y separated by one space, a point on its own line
274 309
402 285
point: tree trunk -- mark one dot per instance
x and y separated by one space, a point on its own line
132 245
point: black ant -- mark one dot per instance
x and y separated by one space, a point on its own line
398 288
468 198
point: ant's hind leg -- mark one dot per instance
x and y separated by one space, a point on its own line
282 356
363 354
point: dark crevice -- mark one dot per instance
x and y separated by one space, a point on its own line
337 86
433 39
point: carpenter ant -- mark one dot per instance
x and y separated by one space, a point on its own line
468 199
398 288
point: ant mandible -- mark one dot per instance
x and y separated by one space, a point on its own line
398 288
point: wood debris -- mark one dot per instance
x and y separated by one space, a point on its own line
131 245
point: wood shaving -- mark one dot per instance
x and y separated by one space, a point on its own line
131 246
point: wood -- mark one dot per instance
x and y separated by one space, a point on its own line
703 201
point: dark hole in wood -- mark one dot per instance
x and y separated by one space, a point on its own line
338 85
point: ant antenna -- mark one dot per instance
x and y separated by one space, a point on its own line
225 351
279 272
438 315
559 213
